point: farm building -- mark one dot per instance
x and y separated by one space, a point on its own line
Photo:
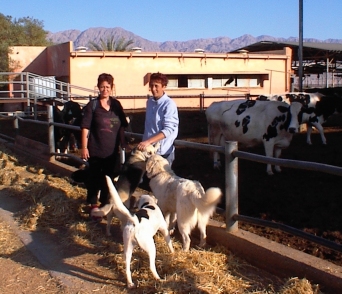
190 74
321 62
247 71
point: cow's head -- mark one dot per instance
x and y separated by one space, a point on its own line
292 124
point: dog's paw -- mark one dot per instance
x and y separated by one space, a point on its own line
130 285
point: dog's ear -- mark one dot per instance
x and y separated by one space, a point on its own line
134 150
156 146
154 199
150 166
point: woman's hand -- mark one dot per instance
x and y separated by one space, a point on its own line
85 154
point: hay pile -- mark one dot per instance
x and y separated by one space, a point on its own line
57 206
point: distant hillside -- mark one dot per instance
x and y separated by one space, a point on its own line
215 45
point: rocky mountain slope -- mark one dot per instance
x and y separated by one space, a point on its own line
215 45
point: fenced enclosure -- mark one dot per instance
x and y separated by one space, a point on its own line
232 155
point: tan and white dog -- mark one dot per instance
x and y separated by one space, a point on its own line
132 172
181 199
140 228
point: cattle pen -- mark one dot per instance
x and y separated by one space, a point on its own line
232 155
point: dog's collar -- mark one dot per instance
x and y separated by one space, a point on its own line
153 177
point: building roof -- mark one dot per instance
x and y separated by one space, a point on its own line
311 51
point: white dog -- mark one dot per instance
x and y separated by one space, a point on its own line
128 180
140 228
182 199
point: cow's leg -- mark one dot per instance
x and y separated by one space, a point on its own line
269 149
58 150
72 142
308 134
277 153
319 127
214 138
217 156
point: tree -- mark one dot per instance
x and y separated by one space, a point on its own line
111 44
24 31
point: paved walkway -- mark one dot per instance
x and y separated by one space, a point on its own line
49 253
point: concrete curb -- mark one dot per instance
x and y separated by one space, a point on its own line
276 258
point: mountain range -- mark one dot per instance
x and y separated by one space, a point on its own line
214 45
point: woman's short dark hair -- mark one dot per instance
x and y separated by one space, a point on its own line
104 77
160 78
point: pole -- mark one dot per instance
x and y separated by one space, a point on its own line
51 131
300 49
231 183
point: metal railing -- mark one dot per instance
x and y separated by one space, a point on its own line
231 183
34 88
232 154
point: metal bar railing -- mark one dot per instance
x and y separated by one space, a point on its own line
231 178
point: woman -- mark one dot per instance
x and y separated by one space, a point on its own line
161 119
102 130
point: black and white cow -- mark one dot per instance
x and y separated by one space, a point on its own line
70 114
317 108
252 122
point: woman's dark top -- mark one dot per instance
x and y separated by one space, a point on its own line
104 127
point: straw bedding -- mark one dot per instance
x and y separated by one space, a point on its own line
56 206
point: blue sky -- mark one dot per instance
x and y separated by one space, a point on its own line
182 20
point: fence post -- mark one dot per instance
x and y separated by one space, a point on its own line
51 132
201 102
231 185
16 125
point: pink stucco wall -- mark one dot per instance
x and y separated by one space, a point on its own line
131 70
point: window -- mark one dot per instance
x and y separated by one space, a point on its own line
186 81
239 80
196 82
216 81
173 83
224 81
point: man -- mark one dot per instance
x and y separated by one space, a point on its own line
161 120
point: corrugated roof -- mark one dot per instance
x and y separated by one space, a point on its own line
337 47
311 51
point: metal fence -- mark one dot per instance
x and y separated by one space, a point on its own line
232 154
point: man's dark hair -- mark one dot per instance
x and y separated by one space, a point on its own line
159 77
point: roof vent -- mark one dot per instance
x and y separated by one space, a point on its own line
81 49
199 50
136 49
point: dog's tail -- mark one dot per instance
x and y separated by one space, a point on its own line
212 196
206 202
117 204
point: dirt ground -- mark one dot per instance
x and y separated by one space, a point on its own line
306 200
